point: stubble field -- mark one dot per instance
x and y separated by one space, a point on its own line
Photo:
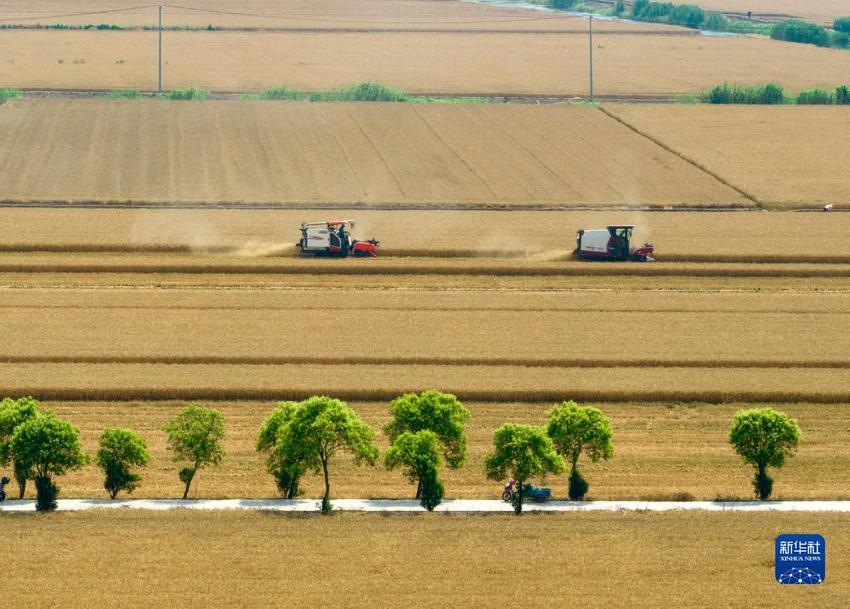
816 11
783 151
297 153
495 63
369 15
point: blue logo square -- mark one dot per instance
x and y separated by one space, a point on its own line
800 559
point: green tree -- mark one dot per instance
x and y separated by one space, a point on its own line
419 454
434 411
48 447
287 469
575 430
319 428
522 452
195 435
764 438
120 450
12 414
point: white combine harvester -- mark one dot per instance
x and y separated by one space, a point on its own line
612 243
333 238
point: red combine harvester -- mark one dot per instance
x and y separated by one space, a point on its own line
612 243
334 239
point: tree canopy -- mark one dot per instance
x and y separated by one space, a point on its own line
522 452
47 447
286 468
195 435
434 411
321 426
575 430
764 438
419 454
13 412
120 450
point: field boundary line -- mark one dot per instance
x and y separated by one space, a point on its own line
656 270
528 362
671 150
447 506
116 204
388 393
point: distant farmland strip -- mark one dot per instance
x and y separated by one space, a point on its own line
494 63
380 383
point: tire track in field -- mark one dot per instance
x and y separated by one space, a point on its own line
420 309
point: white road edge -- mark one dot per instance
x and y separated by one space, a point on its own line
450 505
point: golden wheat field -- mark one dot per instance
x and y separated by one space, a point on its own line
663 451
493 63
780 155
300 153
473 234
244 559
555 330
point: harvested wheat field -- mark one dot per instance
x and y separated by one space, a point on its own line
816 11
495 63
663 451
538 237
780 155
331 15
296 153
201 560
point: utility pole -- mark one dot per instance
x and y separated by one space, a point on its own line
590 39
160 50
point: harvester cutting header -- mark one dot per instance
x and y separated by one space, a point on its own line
612 243
333 238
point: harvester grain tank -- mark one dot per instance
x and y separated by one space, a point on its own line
333 238
612 243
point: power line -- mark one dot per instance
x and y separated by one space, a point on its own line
368 21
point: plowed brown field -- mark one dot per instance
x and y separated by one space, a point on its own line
451 63
296 153
660 450
780 155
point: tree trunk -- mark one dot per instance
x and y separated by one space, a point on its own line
518 506
327 498
419 488
189 479
21 479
